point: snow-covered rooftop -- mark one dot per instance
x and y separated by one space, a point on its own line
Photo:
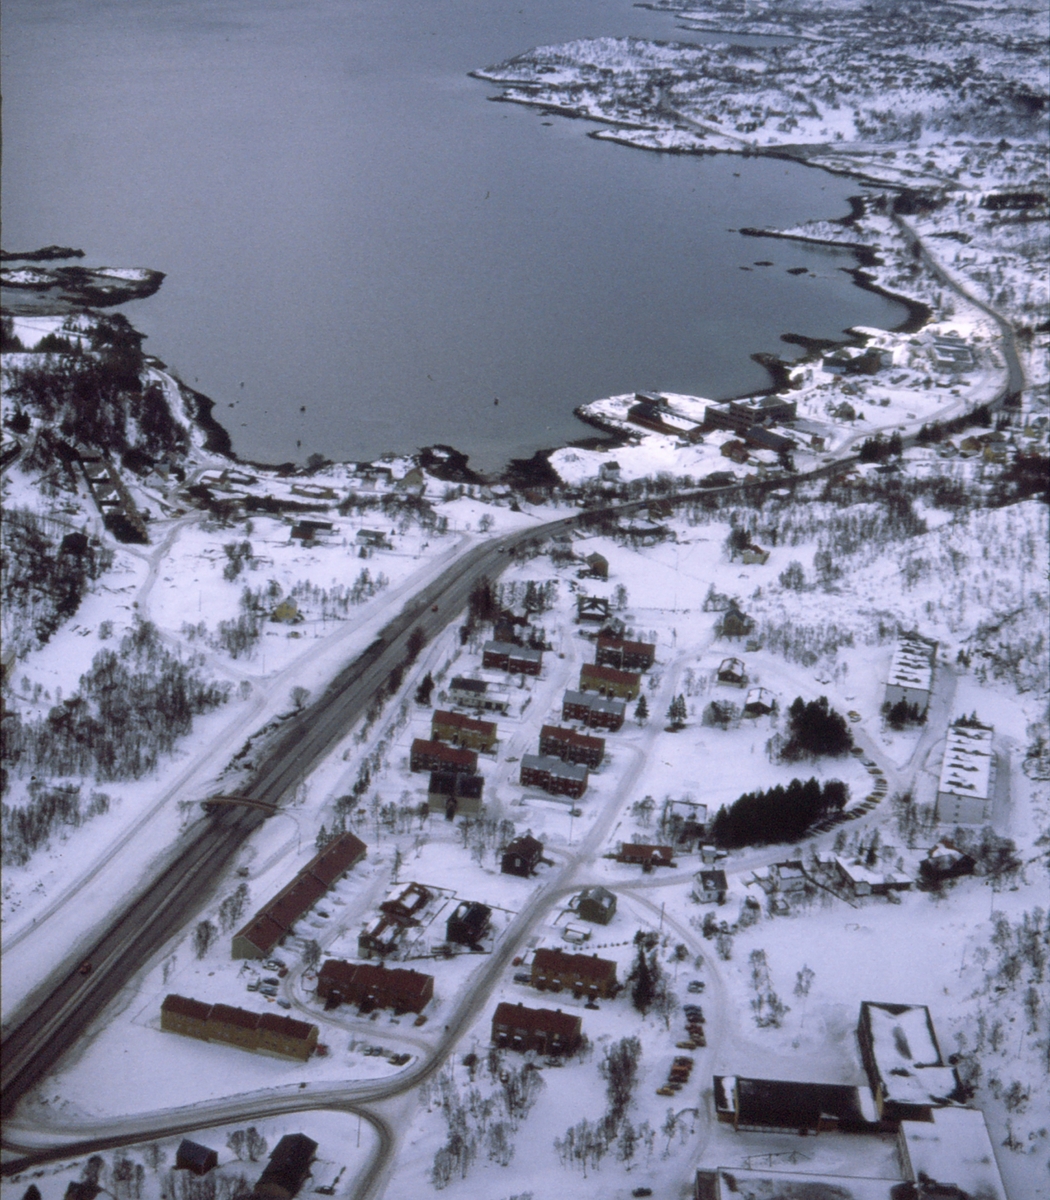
954 1148
906 1054
912 663
967 768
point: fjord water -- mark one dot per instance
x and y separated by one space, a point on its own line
349 225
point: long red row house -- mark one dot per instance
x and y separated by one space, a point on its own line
267 1033
572 746
272 922
436 756
369 986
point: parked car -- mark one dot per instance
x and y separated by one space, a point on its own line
284 1003
695 985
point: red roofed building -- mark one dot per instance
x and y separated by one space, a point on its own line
462 730
607 681
270 924
571 746
647 856
369 986
265 1032
179 1014
436 756
624 655
583 974
515 1027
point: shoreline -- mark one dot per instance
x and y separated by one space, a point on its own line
535 471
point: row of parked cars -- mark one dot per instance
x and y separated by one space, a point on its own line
268 985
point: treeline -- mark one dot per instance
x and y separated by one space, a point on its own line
26 827
781 814
97 396
45 573
131 707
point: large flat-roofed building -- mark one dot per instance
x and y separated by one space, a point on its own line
899 1049
461 730
582 974
436 756
790 1107
772 1183
952 1150
911 672
547 1031
607 681
508 656
572 746
594 711
553 775
271 923
478 694
967 782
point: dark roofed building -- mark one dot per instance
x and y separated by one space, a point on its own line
625 655
582 974
647 856
285 1036
555 777
515 1027
794 1107
609 682
258 938
405 907
592 710
270 924
453 793
192 1156
179 1014
436 756
373 986
521 857
572 746
507 656
462 730
296 900
592 608
288 1168
333 862
267 1032
468 923
711 886
596 904
476 693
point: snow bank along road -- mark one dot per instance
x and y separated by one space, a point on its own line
168 902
